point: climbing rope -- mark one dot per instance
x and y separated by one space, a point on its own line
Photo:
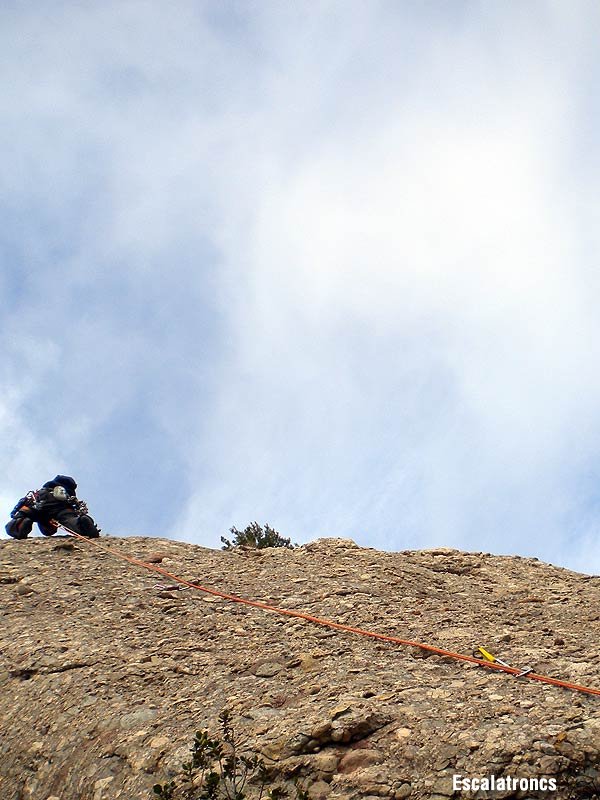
494 665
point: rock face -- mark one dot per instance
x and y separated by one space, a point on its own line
107 670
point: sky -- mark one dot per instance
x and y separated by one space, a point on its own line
331 266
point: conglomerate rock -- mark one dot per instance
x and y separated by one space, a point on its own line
107 669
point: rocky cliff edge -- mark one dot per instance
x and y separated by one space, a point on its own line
107 670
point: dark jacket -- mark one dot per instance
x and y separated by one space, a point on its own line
46 504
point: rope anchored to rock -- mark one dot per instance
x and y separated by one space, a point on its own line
494 664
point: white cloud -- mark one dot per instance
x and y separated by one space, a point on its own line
342 259
445 237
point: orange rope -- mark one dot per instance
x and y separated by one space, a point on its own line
337 625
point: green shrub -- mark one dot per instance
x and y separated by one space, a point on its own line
254 535
222 769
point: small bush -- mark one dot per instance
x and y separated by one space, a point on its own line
254 535
222 769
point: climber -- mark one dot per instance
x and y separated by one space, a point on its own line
56 502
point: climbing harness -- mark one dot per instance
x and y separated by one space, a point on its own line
494 664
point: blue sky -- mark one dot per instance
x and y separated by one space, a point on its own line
327 265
